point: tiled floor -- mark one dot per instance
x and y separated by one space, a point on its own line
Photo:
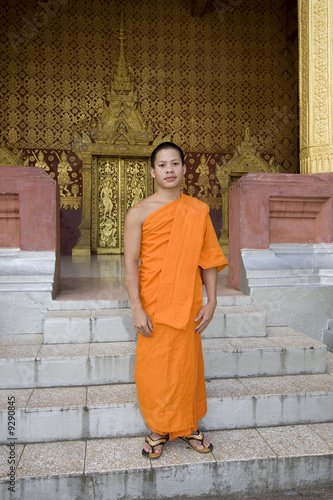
101 277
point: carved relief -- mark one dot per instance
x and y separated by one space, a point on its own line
136 175
64 180
117 185
320 70
108 206
315 66
40 161
203 180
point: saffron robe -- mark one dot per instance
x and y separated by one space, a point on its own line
177 240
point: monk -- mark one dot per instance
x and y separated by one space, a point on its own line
172 237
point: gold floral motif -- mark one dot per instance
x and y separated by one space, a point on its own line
203 83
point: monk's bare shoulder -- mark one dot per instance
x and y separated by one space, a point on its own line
140 211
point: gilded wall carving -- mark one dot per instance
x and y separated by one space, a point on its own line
108 206
316 88
202 79
321 54
64 167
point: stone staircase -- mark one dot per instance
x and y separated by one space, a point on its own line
79 431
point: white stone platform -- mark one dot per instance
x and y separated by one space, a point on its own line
79 431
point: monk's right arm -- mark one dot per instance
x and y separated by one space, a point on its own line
132 245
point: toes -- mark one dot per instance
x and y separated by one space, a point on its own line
199 446
196 444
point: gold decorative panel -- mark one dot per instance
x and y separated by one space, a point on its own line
316 87
117 185
109 206
201 79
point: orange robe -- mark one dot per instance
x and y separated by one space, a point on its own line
177 240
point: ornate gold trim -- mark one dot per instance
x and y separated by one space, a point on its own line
7 158
316 86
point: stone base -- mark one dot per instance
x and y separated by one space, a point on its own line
308 265
27 286
293 283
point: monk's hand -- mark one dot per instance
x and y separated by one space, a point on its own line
205 316
142 322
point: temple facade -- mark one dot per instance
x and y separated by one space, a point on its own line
88 81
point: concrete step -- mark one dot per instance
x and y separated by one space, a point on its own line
258 460
88 412
105 325
233 298
26 362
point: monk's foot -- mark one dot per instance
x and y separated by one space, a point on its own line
198 445
198 442
153 445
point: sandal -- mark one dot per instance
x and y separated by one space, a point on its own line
198 437
153 443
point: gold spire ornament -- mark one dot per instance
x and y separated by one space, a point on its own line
122 140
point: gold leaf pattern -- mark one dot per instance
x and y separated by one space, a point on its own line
190 73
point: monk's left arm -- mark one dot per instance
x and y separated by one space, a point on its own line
206 313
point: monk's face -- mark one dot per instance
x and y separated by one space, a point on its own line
169 170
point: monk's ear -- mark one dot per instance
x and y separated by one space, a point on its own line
152 172
184 169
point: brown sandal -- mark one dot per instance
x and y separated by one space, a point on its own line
198 437
152 443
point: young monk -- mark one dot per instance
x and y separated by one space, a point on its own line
173 237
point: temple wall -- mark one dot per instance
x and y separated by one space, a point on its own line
201 79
